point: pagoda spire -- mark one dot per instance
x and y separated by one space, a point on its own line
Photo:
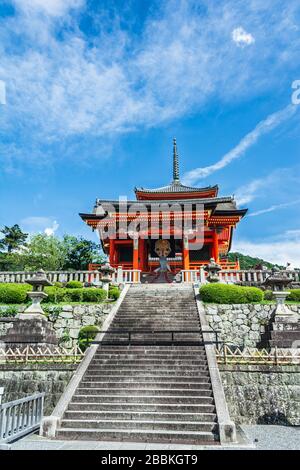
175 162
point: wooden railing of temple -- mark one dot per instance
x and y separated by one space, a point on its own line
130 276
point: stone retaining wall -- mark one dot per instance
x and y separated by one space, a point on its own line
241 324
67 320
21 380
262 394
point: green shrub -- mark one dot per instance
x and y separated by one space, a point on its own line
268 295
9 312
230 294
294 295
11 293
58 284
93 294
73 295
55 294
74 285
86 335
114 293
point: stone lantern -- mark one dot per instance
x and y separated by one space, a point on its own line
213 270
106 275
278 281
32 327
37 295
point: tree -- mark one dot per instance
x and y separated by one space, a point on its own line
80 252
13 238
44 251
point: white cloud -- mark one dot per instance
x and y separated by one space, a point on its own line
280 183
274 207
50 7
51 230
62 86
34 224
264 127
281 251
241 37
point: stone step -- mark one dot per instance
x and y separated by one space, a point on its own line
148 379
145 399
142 415
143 385
138 357
153 349
174 408
138 425
140 390
136 373
148 362
138 436
181 369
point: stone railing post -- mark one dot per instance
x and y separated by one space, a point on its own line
120 275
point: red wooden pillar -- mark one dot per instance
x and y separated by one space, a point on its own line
216 246
185 254
135 257
112 251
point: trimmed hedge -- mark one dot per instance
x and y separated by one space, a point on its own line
294 295
114 293
92 294
74 285
13 293
86 335
57 294
230 294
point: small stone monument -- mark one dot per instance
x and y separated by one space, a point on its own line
284 330
106 275
37 295
278 281
213 270
32 327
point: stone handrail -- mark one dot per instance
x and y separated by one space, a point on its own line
237 276
126 276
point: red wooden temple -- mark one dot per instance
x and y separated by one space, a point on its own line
140 250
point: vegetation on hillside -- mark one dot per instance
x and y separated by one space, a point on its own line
21 252
248 262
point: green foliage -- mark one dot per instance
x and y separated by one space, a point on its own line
294 295
13 238
74 285
230 294
43 251
11 293
58 294
114 293
55 294
58 284
52 312
9 312
268 295
80 252
73 295
65 338
248 262
86 335
93 294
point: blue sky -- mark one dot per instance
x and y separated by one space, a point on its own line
96 90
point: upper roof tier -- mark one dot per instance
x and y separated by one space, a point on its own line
176 190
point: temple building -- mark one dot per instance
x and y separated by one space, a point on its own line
211 221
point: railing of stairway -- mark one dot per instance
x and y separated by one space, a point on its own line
20 417
131 276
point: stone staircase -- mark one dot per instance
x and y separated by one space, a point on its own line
145 391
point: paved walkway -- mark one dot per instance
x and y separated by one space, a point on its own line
263 437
